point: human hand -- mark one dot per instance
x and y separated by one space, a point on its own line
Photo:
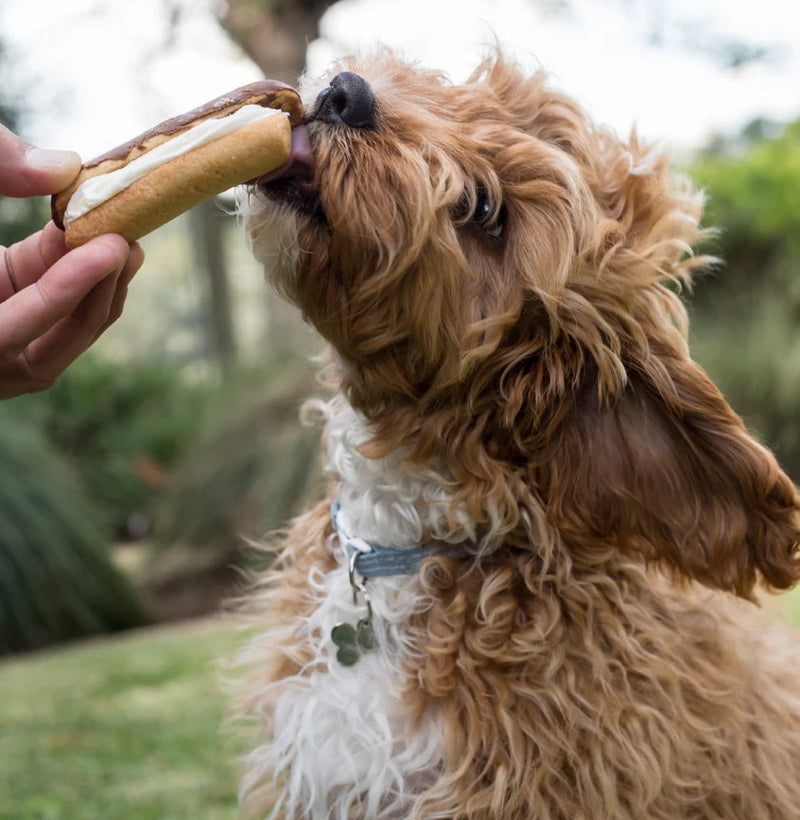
54 303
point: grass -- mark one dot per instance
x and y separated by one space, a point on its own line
129 727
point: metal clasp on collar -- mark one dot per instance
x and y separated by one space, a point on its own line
352 641
357 584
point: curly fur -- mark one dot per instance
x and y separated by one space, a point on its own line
534 396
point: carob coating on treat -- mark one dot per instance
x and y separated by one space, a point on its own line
267 93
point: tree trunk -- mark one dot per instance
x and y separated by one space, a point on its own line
208 228
274 33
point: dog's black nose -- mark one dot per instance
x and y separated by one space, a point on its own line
349 100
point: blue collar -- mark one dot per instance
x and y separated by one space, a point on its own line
378 561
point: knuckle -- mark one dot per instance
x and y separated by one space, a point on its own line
9 354
39 377
115 312
44 294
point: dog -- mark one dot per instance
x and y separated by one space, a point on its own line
529 592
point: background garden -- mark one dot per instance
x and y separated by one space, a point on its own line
128 490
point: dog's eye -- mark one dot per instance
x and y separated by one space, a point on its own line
489 217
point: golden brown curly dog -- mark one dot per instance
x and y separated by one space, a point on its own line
527 599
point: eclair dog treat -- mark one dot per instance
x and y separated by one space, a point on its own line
140 185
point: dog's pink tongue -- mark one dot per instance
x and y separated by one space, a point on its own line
300 162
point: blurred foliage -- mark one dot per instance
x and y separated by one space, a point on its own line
754 187
56 580
122 426
21 217
87 462
217 461
250 469
18 217
746 317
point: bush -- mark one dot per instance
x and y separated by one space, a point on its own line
122 427
56 580
249 470
745 318
752 185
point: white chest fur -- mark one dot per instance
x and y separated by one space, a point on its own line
342 742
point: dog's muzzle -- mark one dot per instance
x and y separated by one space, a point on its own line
348 100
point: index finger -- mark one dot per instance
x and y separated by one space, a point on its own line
32 311
25 261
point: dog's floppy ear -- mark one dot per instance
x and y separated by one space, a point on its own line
676 478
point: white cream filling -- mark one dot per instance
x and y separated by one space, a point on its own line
97 190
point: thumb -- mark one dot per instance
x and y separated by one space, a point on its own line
26 170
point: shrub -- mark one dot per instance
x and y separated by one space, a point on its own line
121 426
746 316
56 580
250 468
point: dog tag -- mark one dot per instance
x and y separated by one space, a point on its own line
344 636
365 635
353 641
348 655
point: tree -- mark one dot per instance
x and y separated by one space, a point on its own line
207 225
274 33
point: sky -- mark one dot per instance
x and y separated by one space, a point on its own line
94 73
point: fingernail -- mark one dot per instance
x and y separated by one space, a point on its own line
46 159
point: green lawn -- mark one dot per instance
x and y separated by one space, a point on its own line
128 727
